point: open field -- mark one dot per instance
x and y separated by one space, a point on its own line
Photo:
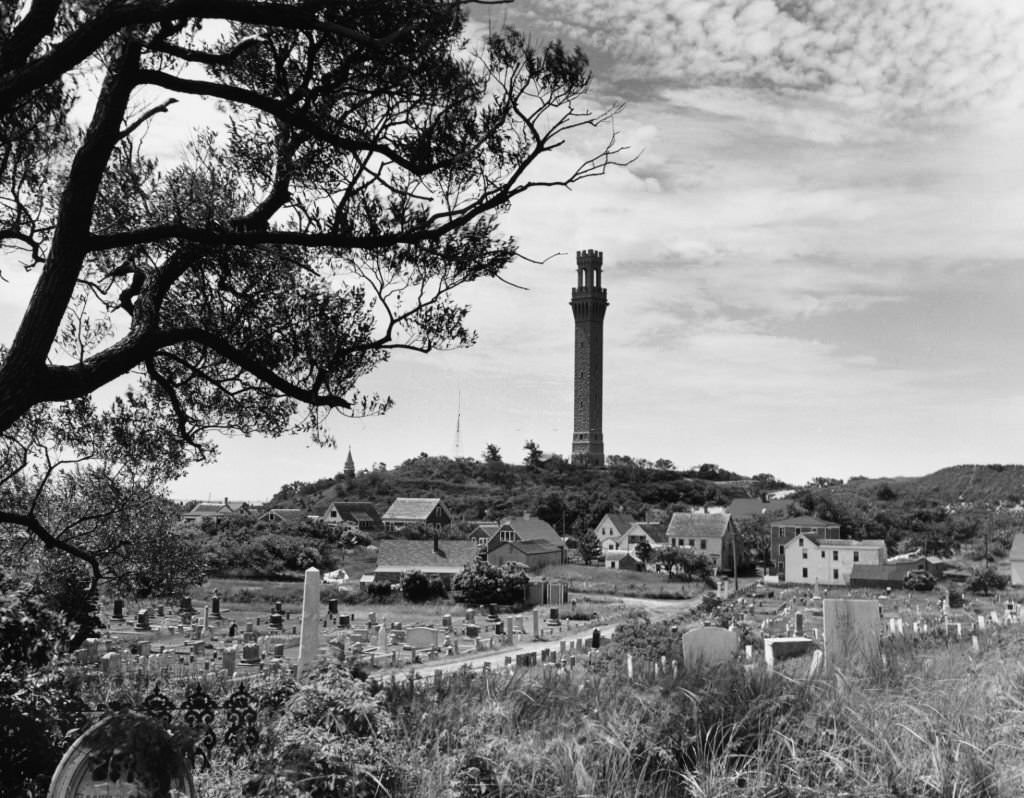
598 579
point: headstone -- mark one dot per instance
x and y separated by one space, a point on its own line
186 604
251 654
215 605
595 639
472 631
276 620
344 621
852 634
104 762
142 620
159 610
798 619
278 650
118 609
309 636
227 658
233 629
536 622
371 619
332 606
279 608
709 646
418 637
470 615
110 663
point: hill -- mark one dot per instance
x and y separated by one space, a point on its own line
567 497
972 484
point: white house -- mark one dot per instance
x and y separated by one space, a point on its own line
812 560
611 528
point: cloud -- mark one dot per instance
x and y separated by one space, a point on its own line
898 58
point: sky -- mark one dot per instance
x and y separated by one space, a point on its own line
813 265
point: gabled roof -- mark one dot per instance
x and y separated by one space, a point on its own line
353 511
656 532
621 521
698 525
419 555
212 508
532 529
411 509
1017 548
618 555
803 521
487 529
752 508
290 515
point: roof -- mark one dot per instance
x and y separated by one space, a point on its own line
837 543
656 532
698 525
621 521
285 514
419 555
411 509
532 529
354 511
752 508
618 555
487 529
803 520
532 546
1017 549
210 508
890 572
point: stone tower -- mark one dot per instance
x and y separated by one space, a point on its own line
589 301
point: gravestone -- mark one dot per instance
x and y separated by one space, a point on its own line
186 604
276 620
228 660
233 629
419 637
118 609
852 633
709 646
278 650
251 654
142 620
472 631
595 639
215 605
309 635
127 754
332 606
279 608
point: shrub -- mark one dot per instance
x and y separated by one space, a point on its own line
417 587
985 580
379 590
918 580
483 583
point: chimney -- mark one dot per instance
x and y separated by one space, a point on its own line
437 548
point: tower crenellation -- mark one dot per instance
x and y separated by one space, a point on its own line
589 301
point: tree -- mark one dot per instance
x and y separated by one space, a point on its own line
662 464
589 547
483 583
534 454
492 454
352 175
985 580
644 551
755 537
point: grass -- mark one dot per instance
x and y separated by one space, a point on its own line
597 579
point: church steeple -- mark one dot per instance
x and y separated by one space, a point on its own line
350 465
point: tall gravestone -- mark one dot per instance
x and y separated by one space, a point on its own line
309 633
852 633
709 646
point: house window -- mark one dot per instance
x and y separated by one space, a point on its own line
823 555
805 573
703 544
692 543
334 513
782 551
805 554
856 556
835 555
835 573
800 542
507 535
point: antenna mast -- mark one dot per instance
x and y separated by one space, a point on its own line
458 429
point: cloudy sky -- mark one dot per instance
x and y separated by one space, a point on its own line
814 264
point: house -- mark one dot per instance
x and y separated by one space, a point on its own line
741 509
611 528
534 554
1017 560
711 534
525 530
443 558
785 529
360 516
284 515
810 559
430 513
215 511
623 561
484 532
655 534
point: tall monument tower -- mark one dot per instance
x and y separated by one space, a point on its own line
589 301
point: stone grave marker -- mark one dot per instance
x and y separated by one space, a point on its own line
251 654
142 620
276 620
309 636
127 754
332 606
418 637
118 609
852 633
709 646
215 605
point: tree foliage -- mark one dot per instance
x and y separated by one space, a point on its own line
483 583
589 547
341 169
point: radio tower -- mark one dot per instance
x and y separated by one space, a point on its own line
458 429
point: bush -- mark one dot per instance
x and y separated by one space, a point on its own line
483 583
985 580
417 587
379 590
918 580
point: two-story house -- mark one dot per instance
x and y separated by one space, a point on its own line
429 513
812 560
784 530
611 528
711 534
